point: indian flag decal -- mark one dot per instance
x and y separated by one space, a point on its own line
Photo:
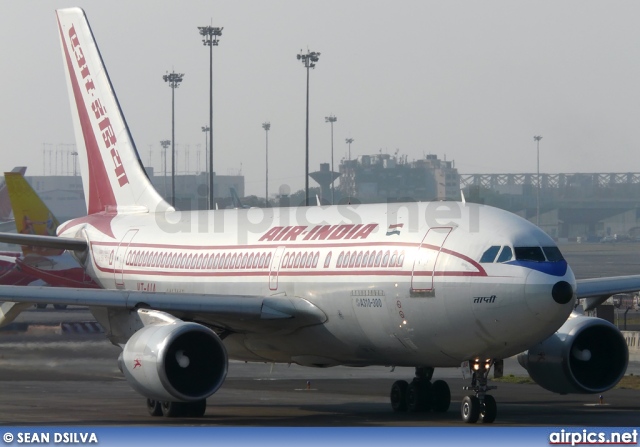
394 229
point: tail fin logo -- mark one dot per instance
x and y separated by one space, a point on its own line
99 111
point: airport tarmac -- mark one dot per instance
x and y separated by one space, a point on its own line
51 379
76 382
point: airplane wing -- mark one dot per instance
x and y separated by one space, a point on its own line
229 312
64 243
595 291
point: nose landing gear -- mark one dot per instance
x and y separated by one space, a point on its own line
421 394
480 406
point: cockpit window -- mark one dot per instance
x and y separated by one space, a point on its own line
506 254
553 254
529 254
489 255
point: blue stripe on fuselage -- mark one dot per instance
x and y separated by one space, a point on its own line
558 268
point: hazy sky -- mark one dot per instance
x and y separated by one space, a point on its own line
470 80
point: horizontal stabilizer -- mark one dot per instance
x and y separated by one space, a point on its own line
33 240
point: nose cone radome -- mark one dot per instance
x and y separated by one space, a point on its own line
562 292
550 298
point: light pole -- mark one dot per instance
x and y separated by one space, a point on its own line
537 139
309 60
266 126
331 119
349 141
206 129
165 145
174 79
210 36
350 170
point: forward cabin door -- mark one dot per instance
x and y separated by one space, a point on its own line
424 265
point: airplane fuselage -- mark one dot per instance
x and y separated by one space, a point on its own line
400 284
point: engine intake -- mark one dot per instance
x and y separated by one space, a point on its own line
180 361
586 355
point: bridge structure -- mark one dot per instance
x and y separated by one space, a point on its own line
601 180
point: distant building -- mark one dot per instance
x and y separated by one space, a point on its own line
589 206
385 177
64 195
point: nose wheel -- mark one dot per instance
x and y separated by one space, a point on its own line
421 395
480 406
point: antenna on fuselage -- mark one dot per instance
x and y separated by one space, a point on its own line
464 201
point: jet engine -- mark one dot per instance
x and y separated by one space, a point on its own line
177 362
586 355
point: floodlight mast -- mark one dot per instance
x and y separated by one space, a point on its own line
210 36
266 126
537 139
206 130
309 60
331 119
174 79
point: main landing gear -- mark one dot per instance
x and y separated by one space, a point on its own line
421 394
479 406
177 409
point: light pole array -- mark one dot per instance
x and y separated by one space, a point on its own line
349 141
210 36
309 60
206 129
349 171
266 126
537 139
331 119
174 79
165 145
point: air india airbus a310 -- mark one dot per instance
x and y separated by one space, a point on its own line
424 285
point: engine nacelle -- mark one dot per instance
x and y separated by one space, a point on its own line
586 355
177 362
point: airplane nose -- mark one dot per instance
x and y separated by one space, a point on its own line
549 300
562 292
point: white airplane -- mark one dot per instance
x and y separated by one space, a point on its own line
423 285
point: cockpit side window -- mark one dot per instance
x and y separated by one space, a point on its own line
490 254
553 254
506 254
529 254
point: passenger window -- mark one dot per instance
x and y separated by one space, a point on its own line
327 260
553 254
506 254
529 254
490 254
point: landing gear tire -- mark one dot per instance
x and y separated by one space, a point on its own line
489 410
173 409
398 395
154 407
183 409
470 409
197 409
419 396
440 396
